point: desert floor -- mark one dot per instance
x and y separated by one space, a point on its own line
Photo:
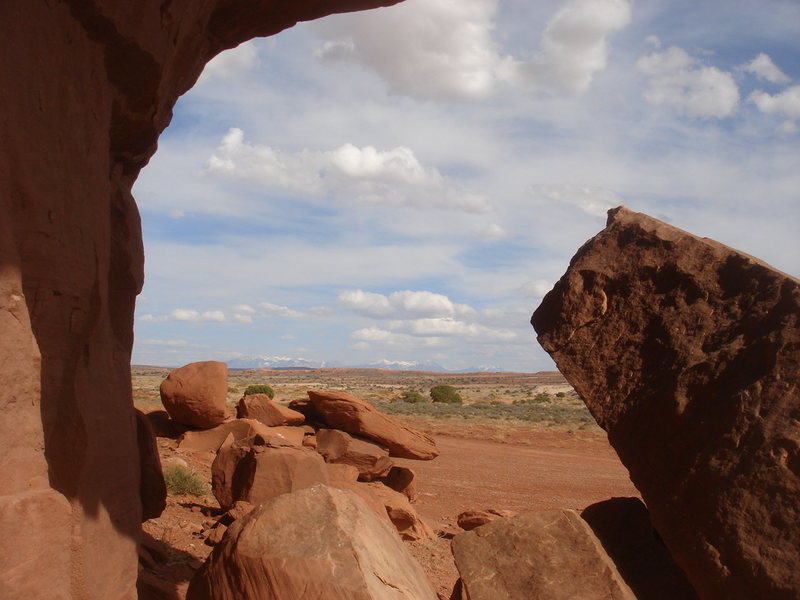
551 457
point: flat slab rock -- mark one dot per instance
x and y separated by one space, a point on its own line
319 543
543 555
687 353
348 413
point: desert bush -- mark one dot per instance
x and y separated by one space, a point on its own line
561 395
259 389
446 394
182 480
412 396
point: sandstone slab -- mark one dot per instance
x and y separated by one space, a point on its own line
261 408
254 470
350 414
470 519
195 394
403 516
687 353
319 543
371 460
403 480
548 556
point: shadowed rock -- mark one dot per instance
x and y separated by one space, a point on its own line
687 353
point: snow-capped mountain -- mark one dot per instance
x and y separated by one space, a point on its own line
288 362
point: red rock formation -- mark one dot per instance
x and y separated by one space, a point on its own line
370 459
348 413
195 394
86 86
261 408
687 353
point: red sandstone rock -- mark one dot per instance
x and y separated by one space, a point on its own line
403 480
686 353
210 440
348 413
152 487
261 408
195 394
563 560
319 543
470 519
254 471
85 90
408 523
371 460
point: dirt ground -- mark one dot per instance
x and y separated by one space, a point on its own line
535 469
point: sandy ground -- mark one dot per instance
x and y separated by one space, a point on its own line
545 470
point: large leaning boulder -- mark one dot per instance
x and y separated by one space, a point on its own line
371 460
687 353
350 414
319 543
195 394
544 555
261 408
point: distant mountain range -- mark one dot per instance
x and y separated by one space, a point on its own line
287 362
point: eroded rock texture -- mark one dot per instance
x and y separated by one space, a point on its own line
687 353
86 86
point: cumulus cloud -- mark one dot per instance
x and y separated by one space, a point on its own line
241 313
786 104
679 81
368 175
443 49
592 200
493 231
763 68
231 62
423 48
575 45
402 304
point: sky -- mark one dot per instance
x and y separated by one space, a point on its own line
406 184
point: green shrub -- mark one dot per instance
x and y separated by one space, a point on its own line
182 480
446 394
259 389
561 395
412 396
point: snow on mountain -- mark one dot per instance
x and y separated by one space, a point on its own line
288 362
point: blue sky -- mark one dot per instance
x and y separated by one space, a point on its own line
407 183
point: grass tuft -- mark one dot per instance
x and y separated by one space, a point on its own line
181 480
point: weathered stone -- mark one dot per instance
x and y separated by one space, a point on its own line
261 408
470 519
403 480
195 394
152 487
623 527
548 556
408 523
210 440
371 460
254 470
85 90
687 353
348 413
319 543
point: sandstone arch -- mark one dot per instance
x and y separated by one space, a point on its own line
87 86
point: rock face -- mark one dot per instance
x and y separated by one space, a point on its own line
85 90
470 519
348 413
195 394
253 470
563 560
320 543
261 408
687 353
152 487
371 460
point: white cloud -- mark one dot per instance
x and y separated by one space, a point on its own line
402 304
231 62
447 327
787 103
168 343
424 48
592 200
536 289
493 231
763 68
390 177
575 45
267 309
677 80
187 314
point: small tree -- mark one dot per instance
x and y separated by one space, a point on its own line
447 394
259 389
412 396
